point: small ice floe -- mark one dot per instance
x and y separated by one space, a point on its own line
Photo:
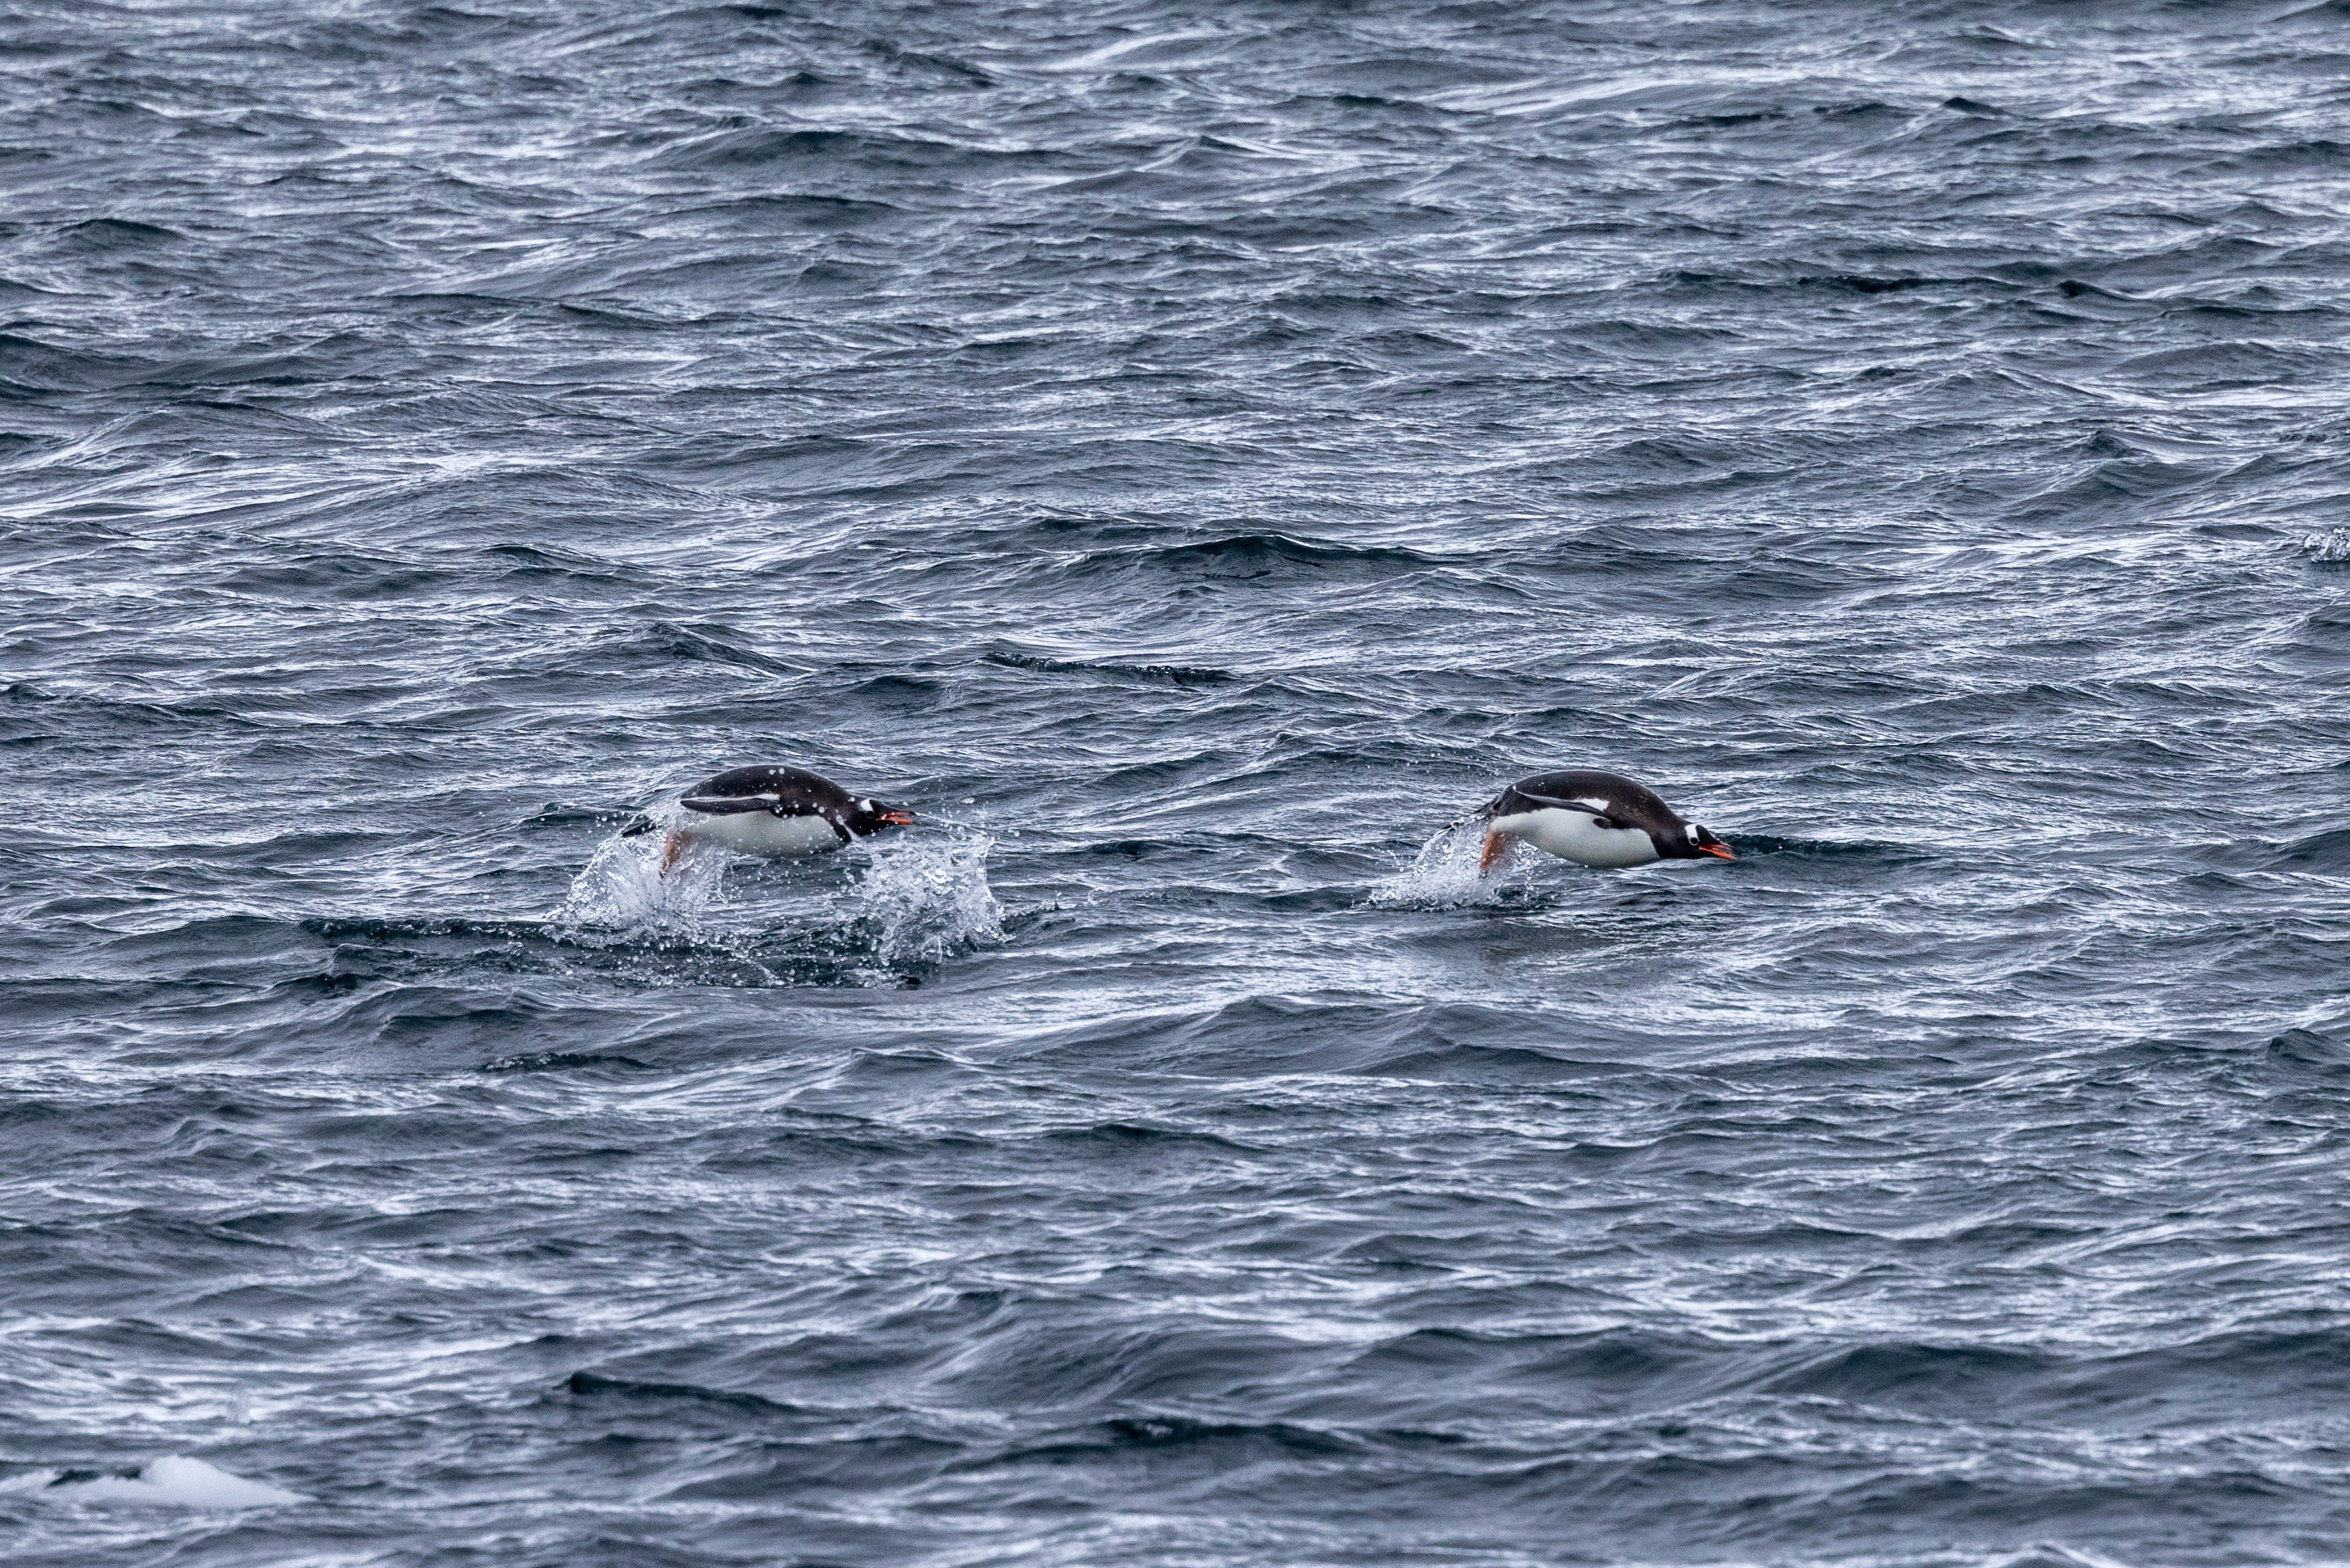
2328 546
172 1482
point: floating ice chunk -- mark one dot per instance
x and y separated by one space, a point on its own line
2329 547
171 1481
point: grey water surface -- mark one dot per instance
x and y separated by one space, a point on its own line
1191 454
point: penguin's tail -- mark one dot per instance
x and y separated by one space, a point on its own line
1476 816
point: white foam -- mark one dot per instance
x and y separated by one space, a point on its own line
172 1482
1444 875
927 896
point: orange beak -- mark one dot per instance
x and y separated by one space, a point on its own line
898 817
1719 851
1496 846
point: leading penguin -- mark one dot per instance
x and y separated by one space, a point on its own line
1591 818
770 811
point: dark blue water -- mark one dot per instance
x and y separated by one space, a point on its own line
1190 454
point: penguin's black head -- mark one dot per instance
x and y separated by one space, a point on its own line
1687 841
1696 841
867 817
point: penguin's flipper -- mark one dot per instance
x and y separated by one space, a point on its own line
637 826
736 804
1554 803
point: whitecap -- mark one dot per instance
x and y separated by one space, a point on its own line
172 1482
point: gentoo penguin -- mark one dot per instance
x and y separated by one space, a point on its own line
771 812
1596 819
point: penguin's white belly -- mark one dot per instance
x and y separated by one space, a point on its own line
760 832
1574 836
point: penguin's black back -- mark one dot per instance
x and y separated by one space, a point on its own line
786 791
1632 804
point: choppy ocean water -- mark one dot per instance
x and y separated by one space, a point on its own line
1191 454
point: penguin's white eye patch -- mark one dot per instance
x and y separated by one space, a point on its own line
865 805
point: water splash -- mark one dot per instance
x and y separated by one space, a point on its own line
1445 874
926 899
623 886
905 900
